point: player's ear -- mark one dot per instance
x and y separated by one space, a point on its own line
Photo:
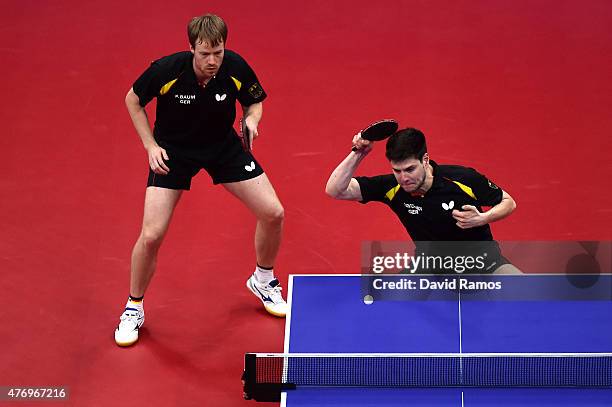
191 49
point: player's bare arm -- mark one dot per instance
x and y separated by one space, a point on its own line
470 217
341 184
155 153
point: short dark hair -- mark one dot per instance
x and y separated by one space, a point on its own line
405 144
207 28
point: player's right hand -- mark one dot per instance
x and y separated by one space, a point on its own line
360 145
157 155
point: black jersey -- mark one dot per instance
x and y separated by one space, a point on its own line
189 116
429 218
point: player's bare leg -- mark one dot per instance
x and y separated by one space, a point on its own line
508 269
259 196
158 210
159 207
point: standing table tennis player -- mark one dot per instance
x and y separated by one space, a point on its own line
196 95
434 202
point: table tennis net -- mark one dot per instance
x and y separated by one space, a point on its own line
278 372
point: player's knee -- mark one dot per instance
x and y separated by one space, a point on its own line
274 215
151 238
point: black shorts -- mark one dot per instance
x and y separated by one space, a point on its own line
224 163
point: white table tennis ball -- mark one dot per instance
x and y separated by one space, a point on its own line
368 299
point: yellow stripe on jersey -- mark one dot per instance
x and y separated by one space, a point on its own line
391 193
164 89
465 189
237 82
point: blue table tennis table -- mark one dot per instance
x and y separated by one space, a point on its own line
328 315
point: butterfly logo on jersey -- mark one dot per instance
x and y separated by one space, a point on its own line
220 97
250 167
448 206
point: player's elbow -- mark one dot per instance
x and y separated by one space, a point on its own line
511 203
332 191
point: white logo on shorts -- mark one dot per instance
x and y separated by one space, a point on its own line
448 206
220 97
251 167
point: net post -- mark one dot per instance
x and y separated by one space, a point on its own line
269 389
249 376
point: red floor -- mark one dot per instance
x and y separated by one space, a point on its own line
518 89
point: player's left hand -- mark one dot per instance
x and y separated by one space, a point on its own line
251 125
469 217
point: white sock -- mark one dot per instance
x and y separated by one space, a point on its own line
132 304
263 275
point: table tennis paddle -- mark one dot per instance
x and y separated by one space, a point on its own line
379 130
245 135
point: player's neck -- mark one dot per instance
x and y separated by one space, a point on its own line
203 80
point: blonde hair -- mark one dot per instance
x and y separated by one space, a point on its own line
207 28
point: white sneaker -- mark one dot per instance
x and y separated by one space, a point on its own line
269 294
130 322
